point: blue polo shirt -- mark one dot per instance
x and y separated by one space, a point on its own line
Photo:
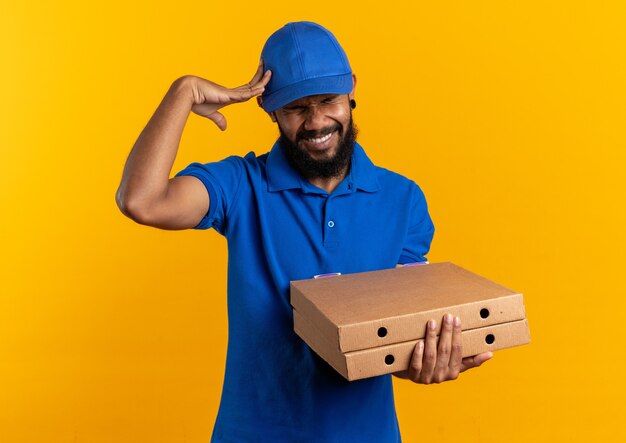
280 228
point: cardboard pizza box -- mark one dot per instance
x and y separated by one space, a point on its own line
396 357
378 308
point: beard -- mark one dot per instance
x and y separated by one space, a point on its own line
309 167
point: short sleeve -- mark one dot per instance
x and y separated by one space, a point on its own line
420 232
222 181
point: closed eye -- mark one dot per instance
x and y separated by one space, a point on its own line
295 108
330 100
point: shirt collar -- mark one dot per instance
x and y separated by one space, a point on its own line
281 176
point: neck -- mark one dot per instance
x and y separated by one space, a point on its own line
329 184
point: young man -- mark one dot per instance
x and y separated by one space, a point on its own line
314 204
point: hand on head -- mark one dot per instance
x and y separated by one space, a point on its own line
209 97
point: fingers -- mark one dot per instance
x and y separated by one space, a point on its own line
438 359
242 95
259 81
444 349
258 74
249 90
430 353
415 367
265 79
456 355
261 77
475 361
209 97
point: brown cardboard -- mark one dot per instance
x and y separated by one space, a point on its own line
378 308
396 357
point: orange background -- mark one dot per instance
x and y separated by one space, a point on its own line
509 116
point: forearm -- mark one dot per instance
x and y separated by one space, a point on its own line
146 173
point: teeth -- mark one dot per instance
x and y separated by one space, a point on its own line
320 139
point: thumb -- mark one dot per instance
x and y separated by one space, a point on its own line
475 361
208 111
219 119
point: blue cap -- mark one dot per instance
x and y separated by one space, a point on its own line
305 59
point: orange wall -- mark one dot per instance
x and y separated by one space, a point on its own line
510 115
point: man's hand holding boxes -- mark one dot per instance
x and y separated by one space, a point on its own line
368 324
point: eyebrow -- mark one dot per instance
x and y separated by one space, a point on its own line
327 98
294 106
300 105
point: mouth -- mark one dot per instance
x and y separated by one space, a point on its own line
320 143
319 140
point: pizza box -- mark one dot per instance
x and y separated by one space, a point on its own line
396 357
378 308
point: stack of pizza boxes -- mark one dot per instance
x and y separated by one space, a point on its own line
368 324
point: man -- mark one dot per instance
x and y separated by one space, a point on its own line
314 204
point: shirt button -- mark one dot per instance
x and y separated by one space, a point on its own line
331 224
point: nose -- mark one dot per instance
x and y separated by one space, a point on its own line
315 118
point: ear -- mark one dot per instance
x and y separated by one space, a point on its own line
272 116
351 94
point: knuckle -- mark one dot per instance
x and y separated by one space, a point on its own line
457 347
455 366
430 355
445 349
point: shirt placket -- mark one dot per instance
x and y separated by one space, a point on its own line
331 239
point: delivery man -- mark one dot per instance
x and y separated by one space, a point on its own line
313 204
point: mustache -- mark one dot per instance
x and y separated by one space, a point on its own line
303 134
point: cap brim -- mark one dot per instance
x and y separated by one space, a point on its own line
336 84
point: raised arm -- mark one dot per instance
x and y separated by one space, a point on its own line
146 193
